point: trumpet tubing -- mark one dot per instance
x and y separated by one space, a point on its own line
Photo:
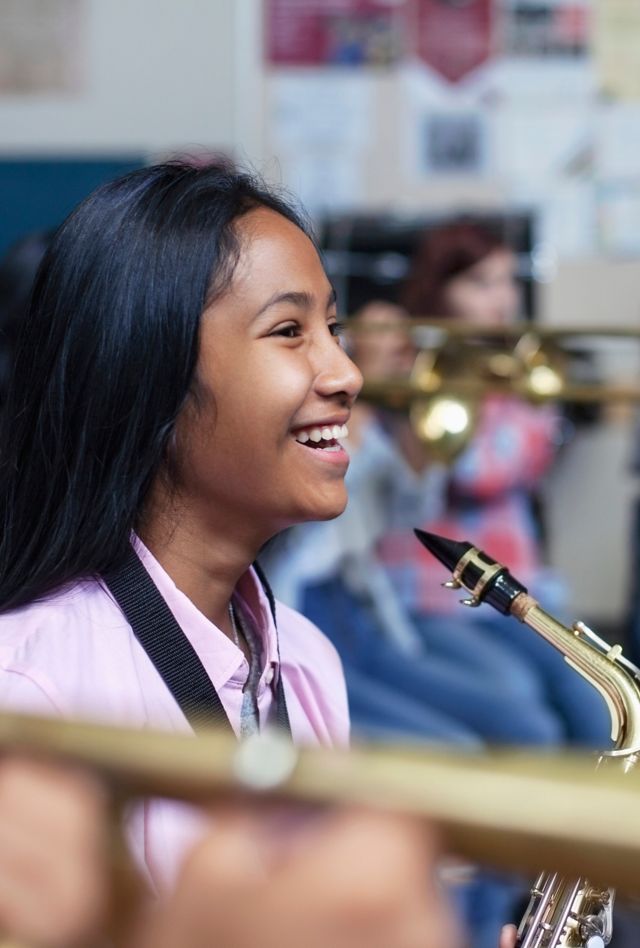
457 365
488 805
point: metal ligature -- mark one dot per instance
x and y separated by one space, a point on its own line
561 912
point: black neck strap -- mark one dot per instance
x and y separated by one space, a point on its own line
169 648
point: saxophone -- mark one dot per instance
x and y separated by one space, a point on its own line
561 912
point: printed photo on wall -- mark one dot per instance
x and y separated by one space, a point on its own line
329 33
41 47
550 28
454 143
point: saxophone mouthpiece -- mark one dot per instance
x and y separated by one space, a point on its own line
484 578
449 552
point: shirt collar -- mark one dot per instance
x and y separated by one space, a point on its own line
220 657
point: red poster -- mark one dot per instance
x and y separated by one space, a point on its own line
453 37
333 32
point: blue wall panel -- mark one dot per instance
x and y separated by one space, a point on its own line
38 194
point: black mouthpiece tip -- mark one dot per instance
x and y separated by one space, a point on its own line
499 588
449 552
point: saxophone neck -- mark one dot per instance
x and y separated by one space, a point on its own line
603 665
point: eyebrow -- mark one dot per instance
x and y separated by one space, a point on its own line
297 298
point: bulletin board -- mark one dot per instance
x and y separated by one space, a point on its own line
531 104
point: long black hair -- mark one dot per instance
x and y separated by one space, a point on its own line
18 268
105 363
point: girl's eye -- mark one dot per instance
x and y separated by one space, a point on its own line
337 329
290 331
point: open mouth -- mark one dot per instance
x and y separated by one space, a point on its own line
324 439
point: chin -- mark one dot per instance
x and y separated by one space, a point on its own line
328 509
333 506
329 514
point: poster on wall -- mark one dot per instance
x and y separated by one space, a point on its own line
545 51
333 32
539 146
618 142
545 28
453 37
320 110
619 218
454 143
326 180
41 50
321 126
617 48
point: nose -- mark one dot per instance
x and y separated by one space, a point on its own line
336 374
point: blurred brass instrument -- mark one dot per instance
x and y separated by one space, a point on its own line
575 912
457 365
488 805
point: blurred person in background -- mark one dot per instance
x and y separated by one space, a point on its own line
465 272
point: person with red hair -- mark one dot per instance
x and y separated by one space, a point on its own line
465 272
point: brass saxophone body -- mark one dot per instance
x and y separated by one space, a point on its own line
561 913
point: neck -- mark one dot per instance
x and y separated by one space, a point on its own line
205 560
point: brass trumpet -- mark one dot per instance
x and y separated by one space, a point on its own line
488 804
457 365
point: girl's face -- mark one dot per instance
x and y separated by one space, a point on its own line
485 294
270 370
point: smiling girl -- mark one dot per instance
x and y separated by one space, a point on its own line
179 396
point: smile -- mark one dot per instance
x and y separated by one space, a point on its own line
325 439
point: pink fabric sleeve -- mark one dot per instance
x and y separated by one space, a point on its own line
20 692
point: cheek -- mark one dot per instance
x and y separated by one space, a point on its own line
513 296
460 301
239 428
193 437
270 394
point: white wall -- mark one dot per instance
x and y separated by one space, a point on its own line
588 505
158 77
592 489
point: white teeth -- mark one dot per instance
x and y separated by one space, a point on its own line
328 433
332 447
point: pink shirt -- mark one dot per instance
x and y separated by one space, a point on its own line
75 655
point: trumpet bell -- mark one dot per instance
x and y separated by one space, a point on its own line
443 420
444 423
543 368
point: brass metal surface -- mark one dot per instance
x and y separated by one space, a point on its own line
570 909
512 810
